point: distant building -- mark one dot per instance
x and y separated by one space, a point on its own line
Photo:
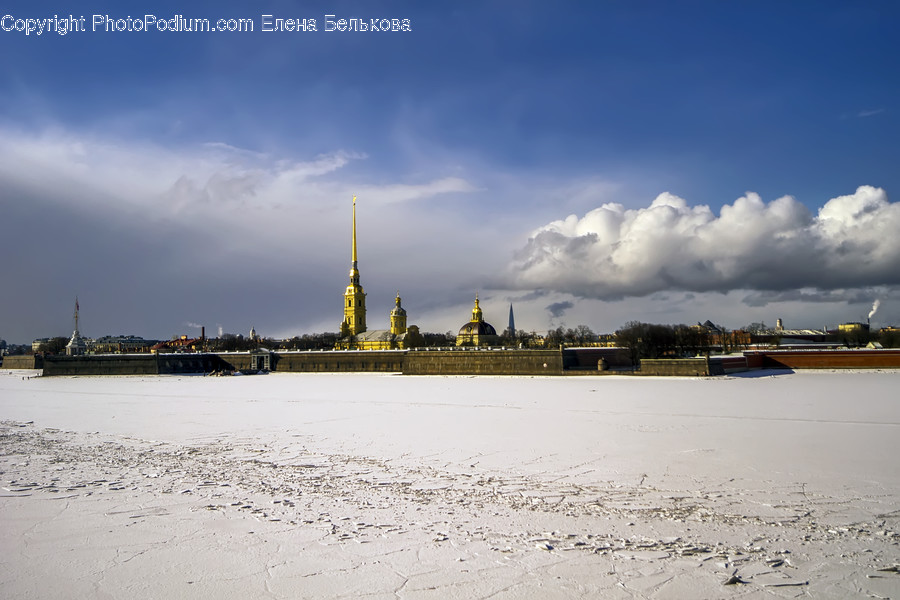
116 344
399 336
853 334
607 340
785 337
179 344
477 332
36 344
845 328
708 328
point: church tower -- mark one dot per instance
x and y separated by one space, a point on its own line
398 318
354 296
76 346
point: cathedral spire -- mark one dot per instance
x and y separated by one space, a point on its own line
354 268
353 257
354 297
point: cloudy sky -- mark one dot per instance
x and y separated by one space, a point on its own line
592 163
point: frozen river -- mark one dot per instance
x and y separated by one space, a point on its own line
510 474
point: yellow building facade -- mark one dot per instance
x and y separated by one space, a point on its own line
853 327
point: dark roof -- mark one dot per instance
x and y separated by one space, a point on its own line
477 328
375 335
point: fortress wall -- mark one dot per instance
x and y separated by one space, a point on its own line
754 361
170 364
131 364
483 362
721 365
118 364
233 361
23 361
386 361
827 359
677 367
588 358
162 364
446 362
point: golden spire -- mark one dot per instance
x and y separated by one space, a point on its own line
354 297
353 258
354 269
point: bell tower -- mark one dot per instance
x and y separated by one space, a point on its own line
354 296
398 317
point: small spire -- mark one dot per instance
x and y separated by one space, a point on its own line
476 312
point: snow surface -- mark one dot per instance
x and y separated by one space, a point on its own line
300 485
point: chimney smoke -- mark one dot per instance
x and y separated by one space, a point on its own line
875 306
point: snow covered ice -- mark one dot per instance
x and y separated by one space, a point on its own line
384 486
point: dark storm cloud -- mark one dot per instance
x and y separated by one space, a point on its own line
558 309
153 238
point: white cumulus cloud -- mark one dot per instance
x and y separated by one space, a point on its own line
614 252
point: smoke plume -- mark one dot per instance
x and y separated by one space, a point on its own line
874 310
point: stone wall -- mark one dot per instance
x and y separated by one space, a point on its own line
340 361
678 367
23 361
123 364
588 358
131 364
827 359
723 365
413 362
233 361
483 362
446 362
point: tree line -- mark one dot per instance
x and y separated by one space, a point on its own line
649 340
643 340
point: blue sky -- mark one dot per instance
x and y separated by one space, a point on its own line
182 178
